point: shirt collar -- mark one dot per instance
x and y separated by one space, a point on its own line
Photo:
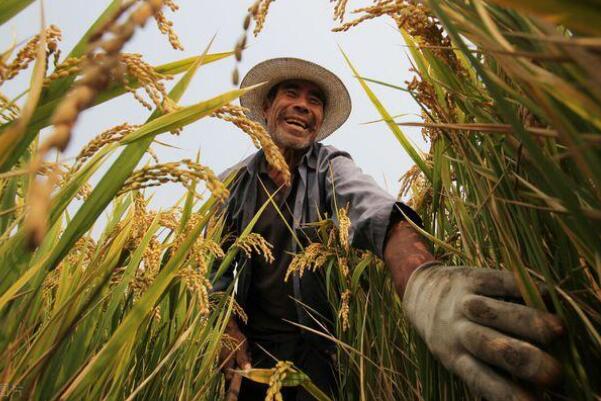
258 163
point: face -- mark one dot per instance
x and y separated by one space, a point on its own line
295 114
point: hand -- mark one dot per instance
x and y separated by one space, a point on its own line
471 332
236 357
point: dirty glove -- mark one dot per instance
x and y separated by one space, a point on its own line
237 356
455 311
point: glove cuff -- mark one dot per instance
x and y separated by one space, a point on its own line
426 265
412 290
416 272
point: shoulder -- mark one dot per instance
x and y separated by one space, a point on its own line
326 153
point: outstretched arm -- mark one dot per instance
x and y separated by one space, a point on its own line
404 251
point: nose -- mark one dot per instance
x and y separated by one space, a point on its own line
301 105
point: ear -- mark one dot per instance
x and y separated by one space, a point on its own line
266 107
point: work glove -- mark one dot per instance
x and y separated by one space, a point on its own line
473 334
235 356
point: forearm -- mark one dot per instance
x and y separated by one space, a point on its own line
404 250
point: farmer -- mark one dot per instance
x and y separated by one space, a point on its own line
456 310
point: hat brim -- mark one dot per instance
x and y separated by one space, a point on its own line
273 71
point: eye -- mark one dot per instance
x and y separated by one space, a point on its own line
291 92
315 100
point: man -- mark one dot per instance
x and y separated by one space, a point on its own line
452 308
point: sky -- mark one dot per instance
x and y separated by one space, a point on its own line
293 29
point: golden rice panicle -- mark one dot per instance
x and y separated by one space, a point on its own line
240 45
82 252
28 53
196 270
280 371
166 26
204 173
313 257
158 174
48 289
190 224
415 183
70 66
171 5
149 269
150 176
239 312
152 257
212 247
62 173
344 225
343 314
111 135
142 219
339 9
230 343
97 73
199 285
236 115
259 10
217 296
198 255
414 17
170 219
149 79
425 94
372 12
156 314
140 222
9 111
343 266
255 242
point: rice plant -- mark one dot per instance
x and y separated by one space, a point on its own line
510 104
127 314
510 94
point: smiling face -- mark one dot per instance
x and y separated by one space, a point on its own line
295 114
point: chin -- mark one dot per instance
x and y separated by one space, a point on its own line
298 145
290 141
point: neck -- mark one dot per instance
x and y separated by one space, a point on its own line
292 157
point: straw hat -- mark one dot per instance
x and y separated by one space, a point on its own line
276 70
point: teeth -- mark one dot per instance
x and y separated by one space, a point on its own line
296 122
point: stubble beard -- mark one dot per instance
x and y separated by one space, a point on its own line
279 138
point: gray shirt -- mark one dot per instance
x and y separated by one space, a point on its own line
326 177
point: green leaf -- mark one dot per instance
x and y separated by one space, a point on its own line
49 102
14 251
580 16
128 329
183 116
113 180
405 143
10 8
58 88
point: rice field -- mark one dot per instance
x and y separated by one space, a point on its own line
510 94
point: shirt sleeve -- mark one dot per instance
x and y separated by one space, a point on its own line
371 209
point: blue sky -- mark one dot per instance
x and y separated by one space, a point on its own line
294 28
